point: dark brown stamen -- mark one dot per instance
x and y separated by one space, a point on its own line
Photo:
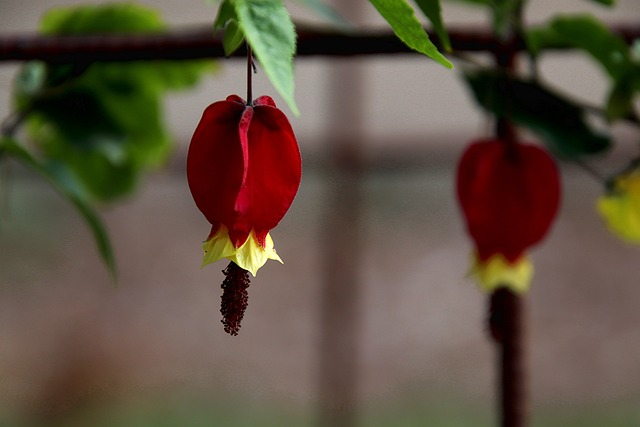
235 297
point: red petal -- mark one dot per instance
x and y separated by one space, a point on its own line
264 100
274 172
236 98
243 133
509 196
215 162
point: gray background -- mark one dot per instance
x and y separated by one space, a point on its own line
157 335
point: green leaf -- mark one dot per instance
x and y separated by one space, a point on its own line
605 2
540 38
104 18
635 51
588 34
233 37
620 103
225 13
592 36
400 15
505 13
227 19
327 12
31 78
103 121
269 31
557 121
66 186
478 2
105 129
620 100
431 9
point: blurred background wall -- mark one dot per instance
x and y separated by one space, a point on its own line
151 351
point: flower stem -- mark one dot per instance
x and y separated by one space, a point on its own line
249 75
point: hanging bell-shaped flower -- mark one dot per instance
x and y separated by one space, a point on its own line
509 194
244 171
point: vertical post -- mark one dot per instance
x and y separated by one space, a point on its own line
507 325
340 295
340 300
506 311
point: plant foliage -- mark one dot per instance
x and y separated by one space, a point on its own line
96 127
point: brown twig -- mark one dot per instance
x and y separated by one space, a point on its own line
197 43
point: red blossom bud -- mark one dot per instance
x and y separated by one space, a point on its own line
509 194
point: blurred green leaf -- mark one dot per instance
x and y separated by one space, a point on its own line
557 121
103 120
65 184
587 33
78 115
605 2
269 31
401 16
504 15
635 51
104 131
543 37
327 12
479 2
619 102
432 10
31 78
103 18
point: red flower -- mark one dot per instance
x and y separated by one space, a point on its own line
509 195
244 171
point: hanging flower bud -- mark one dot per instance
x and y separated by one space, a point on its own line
620 207
509 194
244 171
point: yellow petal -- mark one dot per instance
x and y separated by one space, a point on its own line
497 272
250 256
217 247
621 208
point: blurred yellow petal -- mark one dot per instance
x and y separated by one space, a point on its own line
621 207
250 256
497 272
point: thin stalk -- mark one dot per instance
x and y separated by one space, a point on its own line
249 75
